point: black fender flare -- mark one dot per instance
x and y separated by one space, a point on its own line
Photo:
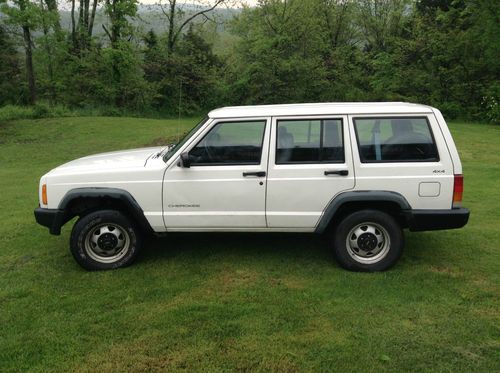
133 209
359 196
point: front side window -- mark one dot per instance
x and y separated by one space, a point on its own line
230 143
403 139
309 141
179 145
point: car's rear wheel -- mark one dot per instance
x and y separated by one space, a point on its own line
368 240
104 239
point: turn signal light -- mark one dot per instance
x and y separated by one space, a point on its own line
458 190
44 194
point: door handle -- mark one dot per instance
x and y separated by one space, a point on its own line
257 173
339 172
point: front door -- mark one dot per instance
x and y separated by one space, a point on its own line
225 185
310 163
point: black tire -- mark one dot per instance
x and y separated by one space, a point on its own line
93 236
369 252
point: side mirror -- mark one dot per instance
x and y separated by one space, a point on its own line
185 161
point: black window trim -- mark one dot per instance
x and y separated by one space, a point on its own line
230 120
361 158
321 120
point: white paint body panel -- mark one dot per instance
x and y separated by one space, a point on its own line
291 197
297 194
132 171
405 177
215 196
326 108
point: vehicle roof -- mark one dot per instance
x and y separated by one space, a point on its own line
325 108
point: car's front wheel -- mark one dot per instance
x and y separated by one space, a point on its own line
104 239
368 240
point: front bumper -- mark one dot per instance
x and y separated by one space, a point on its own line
50 218
430 220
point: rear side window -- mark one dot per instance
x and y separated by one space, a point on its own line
230 143
309 141
404 139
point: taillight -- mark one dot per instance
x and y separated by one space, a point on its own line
458 190
44 194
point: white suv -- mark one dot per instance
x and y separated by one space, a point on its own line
362 171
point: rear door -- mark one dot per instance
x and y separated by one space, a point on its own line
310 162
225 186
403 153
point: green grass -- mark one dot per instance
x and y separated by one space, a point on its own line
237 301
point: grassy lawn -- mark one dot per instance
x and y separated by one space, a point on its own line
238 301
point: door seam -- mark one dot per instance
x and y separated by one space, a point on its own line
267 169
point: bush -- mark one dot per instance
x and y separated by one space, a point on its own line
40 110
492 109
110 111
61 111
11 112
451 110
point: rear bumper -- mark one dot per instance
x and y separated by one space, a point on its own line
430 220
50 218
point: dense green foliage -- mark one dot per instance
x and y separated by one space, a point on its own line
40 110
240 302
445 53
10 79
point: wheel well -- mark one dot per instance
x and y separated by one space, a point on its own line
81 206
389 207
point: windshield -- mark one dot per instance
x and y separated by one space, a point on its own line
177 146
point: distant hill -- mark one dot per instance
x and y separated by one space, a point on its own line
150 17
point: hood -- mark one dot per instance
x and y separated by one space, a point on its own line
133 158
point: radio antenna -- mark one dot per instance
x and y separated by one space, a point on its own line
179 117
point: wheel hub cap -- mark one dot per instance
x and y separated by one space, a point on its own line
107 241
367 241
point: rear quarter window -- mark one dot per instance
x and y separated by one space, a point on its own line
395 139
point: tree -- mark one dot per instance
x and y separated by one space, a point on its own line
121 56
337 15
117 12
464 51
191 72
439 52
153 57
278 58
178 20
26 15
198 70
380 21
50 17
82 30
9 69
52 8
